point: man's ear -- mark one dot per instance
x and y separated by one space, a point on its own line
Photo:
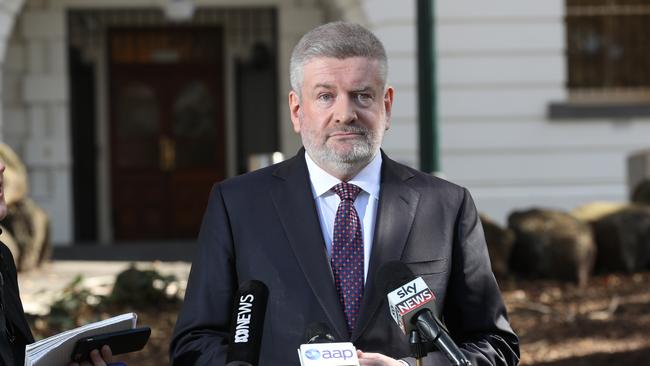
388 104
294 109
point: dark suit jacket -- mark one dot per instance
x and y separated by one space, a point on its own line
264 226
17 335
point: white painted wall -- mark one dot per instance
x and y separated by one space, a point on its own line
394 22
500 64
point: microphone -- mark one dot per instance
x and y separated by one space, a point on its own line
412 306
321 348
319 333
247 324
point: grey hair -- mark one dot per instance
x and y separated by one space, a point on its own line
336 40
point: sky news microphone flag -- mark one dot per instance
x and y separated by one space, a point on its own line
412 305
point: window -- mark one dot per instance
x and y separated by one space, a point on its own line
608 50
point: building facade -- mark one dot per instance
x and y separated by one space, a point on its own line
205 93
503 73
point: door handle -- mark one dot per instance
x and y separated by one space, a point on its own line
167 154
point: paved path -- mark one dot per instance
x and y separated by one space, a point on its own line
40 287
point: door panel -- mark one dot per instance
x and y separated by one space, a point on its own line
167 134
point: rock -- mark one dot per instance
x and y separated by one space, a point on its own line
10 242
499 242
30 227
552 244
26 223
596 210
641 193
15 175
623 240
638 176
142 289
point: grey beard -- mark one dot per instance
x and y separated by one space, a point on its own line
360 156
348 163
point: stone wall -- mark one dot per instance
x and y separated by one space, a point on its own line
35 109
35 112
8 11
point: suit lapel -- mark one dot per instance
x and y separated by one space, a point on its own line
294 203
395 213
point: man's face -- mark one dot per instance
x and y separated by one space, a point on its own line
342 113
3 204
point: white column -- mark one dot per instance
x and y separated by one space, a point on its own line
293 22
46 146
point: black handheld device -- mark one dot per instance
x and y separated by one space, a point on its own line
123 341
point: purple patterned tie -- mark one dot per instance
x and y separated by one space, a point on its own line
347 253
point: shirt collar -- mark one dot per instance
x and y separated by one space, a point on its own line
367 179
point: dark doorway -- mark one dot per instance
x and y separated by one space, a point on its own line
166 128
257 107
83 125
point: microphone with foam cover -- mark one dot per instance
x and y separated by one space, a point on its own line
247 324
407 295
322 349
319 333
412 306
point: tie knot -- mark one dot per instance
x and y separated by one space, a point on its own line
346 191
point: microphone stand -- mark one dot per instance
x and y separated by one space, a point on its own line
418 350
432 329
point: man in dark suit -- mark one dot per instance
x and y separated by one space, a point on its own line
292 227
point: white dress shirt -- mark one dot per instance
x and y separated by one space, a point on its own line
327 202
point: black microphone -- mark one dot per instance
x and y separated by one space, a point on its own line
319 333
412 305
247 324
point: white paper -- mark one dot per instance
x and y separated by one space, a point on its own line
57 349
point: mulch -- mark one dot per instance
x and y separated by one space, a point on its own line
606 322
